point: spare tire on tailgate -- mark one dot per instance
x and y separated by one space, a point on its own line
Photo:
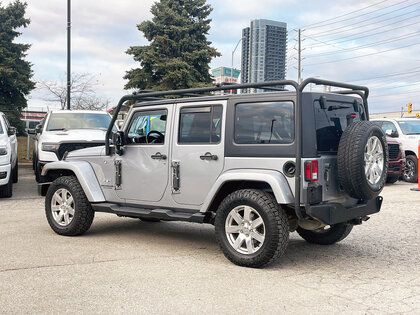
362 160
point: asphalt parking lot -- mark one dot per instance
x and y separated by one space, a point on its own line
128 266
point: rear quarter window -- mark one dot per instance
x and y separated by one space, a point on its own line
264 123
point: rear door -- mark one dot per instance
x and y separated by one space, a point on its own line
198 150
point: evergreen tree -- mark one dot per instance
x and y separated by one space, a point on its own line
15 71
179 53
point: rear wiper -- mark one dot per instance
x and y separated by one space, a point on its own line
334 107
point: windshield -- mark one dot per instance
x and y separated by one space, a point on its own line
61 121
411 127
1 128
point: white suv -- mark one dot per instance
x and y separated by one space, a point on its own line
63 131
8 157
407 131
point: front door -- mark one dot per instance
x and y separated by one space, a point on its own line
144 164
198 150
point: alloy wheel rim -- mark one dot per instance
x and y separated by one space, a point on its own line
245 230
409 170
374 160
62 207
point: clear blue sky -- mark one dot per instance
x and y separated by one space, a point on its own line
378 46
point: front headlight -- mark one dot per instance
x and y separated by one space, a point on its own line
3 151
52 147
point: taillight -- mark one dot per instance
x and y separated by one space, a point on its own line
311 171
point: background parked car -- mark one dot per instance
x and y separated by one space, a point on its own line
396 162
8 157
407 132
64 131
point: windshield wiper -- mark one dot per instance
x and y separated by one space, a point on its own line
413 133
334 107
57 129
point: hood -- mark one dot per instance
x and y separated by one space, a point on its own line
95 151
74 135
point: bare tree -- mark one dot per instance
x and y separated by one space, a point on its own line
82 89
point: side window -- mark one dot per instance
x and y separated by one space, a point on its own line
200 124
387 125
264 123
147 127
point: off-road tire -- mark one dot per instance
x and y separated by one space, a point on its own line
391 179
15 173
336 233
411 162
350 159
83 215
6 191
275 221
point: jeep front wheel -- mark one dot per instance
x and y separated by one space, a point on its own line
67 209
251 228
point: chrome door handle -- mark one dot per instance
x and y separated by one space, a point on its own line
158 156
208 156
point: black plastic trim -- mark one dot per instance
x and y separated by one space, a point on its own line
161 214
333 213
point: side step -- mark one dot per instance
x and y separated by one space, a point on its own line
161 214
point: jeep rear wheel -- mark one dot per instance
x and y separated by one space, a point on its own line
67 209
327 235
251 228
362 160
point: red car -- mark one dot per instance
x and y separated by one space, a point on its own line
396 161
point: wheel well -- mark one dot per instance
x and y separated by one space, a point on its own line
51 176
231 186
54 174
409 153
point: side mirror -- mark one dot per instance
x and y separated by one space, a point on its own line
11 131
118 141
31 131
391 133
38 129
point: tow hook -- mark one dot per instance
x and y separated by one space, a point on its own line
359 221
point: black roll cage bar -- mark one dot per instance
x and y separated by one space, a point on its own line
359 90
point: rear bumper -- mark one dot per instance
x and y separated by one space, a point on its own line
333 213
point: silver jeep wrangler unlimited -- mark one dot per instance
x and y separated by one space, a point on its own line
257 166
